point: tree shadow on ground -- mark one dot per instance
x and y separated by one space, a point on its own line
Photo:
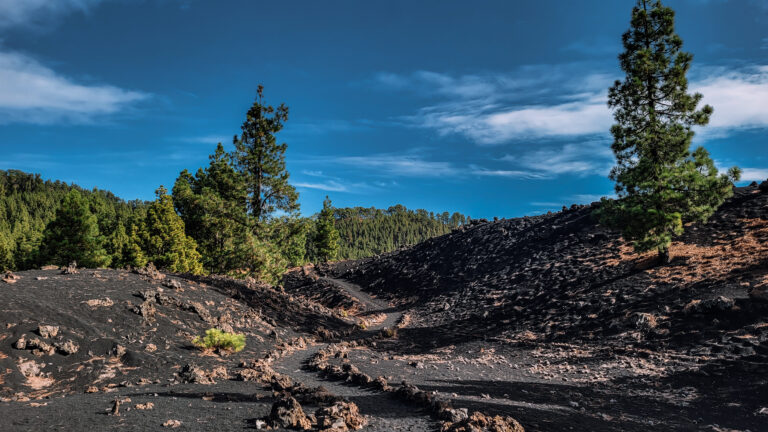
547 407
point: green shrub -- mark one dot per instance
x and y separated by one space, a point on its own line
220 340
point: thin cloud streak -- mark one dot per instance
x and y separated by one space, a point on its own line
406 166
330 186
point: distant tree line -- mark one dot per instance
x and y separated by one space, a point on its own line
369 231
239 215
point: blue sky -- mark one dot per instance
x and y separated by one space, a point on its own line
491 108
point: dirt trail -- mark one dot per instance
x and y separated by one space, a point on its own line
385 413
372 304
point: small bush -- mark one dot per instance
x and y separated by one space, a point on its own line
220 340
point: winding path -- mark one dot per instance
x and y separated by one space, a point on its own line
384 412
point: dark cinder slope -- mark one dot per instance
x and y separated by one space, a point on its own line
562 276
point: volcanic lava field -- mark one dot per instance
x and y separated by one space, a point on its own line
545 323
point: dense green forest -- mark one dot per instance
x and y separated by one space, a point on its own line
29 204
369 231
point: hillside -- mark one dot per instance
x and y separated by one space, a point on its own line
556 302
542 323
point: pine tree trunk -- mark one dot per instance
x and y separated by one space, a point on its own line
664 257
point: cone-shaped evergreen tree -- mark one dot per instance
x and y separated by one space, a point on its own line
660 183
212 204
326 235
165 243
73 235
261 160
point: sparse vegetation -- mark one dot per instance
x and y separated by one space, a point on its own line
220 340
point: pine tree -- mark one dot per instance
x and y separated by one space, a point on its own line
290 233
326 235
660 183
73 235
212 204
133 254
164 240
6 252
261 160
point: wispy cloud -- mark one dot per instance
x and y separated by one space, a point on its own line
582 159
748 174
592 157
33 93
26 12
485 172
320 181
399 165
211 139
739 98
495 109
330 186
497 125
754 174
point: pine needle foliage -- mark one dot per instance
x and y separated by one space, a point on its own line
326 235
661 184
74 235
216 339
261 160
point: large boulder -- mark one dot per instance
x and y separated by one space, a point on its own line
287 413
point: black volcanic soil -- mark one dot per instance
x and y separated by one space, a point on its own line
551 320
554 321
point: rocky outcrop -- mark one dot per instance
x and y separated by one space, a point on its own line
287 413
339 417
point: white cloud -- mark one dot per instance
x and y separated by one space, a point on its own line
739 98
330 186
748 174
495 109
485 172
312 173
583 117
33 93
588 158
399 165
24 12
754 174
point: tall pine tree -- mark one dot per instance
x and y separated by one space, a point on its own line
261 160
326 235
73 235
164 240
660 183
